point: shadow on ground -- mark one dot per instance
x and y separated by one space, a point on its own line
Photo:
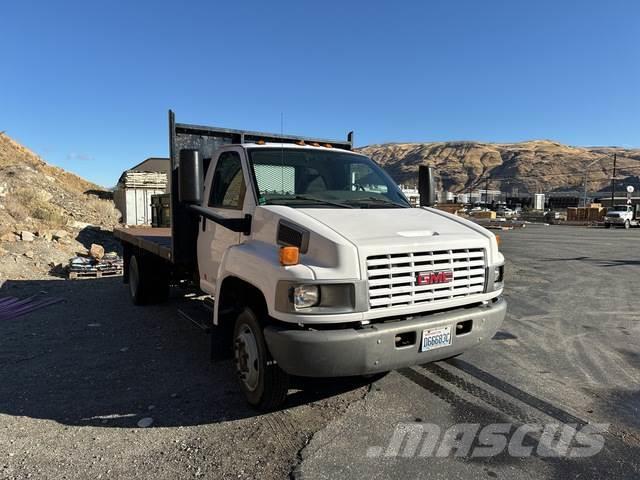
95 359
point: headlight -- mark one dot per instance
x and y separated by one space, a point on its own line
321 298
305 296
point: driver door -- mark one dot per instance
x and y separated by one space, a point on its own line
225 196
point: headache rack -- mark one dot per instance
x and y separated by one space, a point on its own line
217 137
184 225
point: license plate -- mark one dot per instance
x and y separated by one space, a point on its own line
435 338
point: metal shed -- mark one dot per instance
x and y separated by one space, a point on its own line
132 195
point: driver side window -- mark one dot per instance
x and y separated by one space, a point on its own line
228 188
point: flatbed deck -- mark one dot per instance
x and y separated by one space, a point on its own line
151 239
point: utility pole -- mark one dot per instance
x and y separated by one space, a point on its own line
613 180
486 191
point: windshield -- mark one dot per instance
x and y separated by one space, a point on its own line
306 177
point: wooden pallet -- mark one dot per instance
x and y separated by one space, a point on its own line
78 275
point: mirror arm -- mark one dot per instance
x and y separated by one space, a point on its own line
241 225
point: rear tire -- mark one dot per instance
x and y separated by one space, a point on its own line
148 281
263 382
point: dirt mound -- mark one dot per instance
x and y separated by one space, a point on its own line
534 166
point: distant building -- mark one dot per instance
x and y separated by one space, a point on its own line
412 194
620 199
136 185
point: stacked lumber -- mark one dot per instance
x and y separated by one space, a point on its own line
593 213
449 207
488 214
133 179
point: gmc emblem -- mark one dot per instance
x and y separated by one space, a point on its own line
432 278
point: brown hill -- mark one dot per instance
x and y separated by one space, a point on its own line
533 166
34 193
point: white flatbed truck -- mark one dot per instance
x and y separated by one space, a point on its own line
312 261
626 216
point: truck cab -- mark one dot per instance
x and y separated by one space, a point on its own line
315 262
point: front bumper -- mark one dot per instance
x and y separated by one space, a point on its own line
372 349
614 220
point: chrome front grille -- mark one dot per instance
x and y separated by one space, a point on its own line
393 278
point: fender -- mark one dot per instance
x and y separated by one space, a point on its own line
258 264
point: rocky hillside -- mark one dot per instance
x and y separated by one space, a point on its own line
34 192
534 166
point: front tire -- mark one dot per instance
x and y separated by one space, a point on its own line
627 224
262 381
607 225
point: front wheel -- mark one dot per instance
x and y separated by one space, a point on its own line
262 381
627 224
607 225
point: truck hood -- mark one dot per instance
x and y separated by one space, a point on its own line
342 239
399 226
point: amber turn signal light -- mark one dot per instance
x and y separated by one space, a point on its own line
498 240
289 256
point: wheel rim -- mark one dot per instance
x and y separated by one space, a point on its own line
246 355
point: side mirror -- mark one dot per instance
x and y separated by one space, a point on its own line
190 177
426 186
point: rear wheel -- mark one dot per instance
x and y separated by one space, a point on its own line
148 281
262 381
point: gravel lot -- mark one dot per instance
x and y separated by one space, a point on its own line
78 377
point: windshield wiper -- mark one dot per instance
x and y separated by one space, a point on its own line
383 201
307 198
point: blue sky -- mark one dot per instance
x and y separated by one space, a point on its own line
87 84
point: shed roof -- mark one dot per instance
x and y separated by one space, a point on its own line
153 164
